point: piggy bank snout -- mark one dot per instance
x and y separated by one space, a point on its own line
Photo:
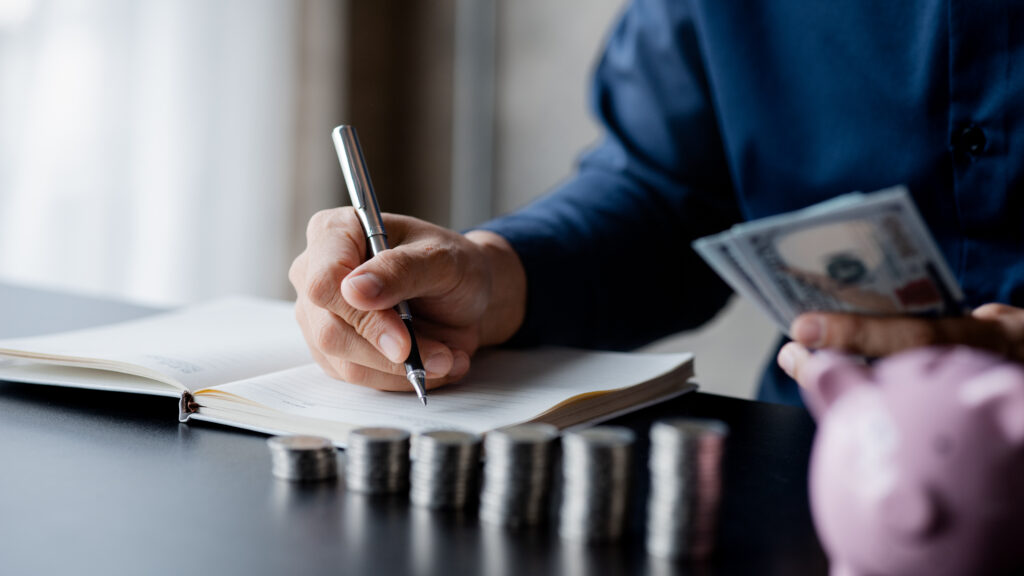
910 511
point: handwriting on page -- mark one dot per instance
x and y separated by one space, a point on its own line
177 364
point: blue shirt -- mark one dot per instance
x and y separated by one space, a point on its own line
715 111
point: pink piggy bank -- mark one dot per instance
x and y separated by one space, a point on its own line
918 463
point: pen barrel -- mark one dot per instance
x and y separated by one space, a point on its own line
378 243
357 180
360 190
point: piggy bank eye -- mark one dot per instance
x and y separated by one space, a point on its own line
943 445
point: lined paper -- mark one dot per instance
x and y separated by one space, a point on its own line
503 387
197 347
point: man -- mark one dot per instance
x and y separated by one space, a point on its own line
713 113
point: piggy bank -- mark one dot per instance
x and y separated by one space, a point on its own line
918 463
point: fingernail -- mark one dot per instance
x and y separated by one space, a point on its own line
809 331
438 364
786 360
390 347
366 284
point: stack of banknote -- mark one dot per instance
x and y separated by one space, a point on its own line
864 253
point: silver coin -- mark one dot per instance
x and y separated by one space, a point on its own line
378 460
443 474
302 458
686 486
517 475
596 474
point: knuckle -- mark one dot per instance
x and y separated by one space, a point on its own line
324 288
397 263
847 331
327 337
445 261
369 325
322 220
295 271
449 258
317 223
444 255
328 219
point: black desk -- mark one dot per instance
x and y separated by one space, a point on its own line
108 483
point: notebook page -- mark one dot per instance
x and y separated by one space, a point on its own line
198 346
503 387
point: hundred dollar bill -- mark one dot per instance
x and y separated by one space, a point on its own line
716 251
859 253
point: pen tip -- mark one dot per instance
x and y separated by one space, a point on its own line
418 379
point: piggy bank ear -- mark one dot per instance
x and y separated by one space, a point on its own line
1000 390
827 376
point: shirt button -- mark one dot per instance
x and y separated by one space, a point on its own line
971 140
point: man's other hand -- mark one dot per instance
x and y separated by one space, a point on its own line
995 327
465 291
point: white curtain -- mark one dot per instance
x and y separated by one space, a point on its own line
145 146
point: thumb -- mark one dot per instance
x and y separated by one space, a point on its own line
402 273
996 311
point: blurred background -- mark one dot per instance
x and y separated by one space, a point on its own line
169 151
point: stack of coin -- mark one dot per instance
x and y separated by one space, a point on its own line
378 460
303 458
444 468
595 483
686 487
517 474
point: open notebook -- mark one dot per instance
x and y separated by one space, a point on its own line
242 362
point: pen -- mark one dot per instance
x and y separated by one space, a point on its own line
357 179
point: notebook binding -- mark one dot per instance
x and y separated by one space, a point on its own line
187 406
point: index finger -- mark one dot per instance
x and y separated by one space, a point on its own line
877 336
335 247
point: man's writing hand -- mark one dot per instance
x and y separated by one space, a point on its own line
995 327
465 291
